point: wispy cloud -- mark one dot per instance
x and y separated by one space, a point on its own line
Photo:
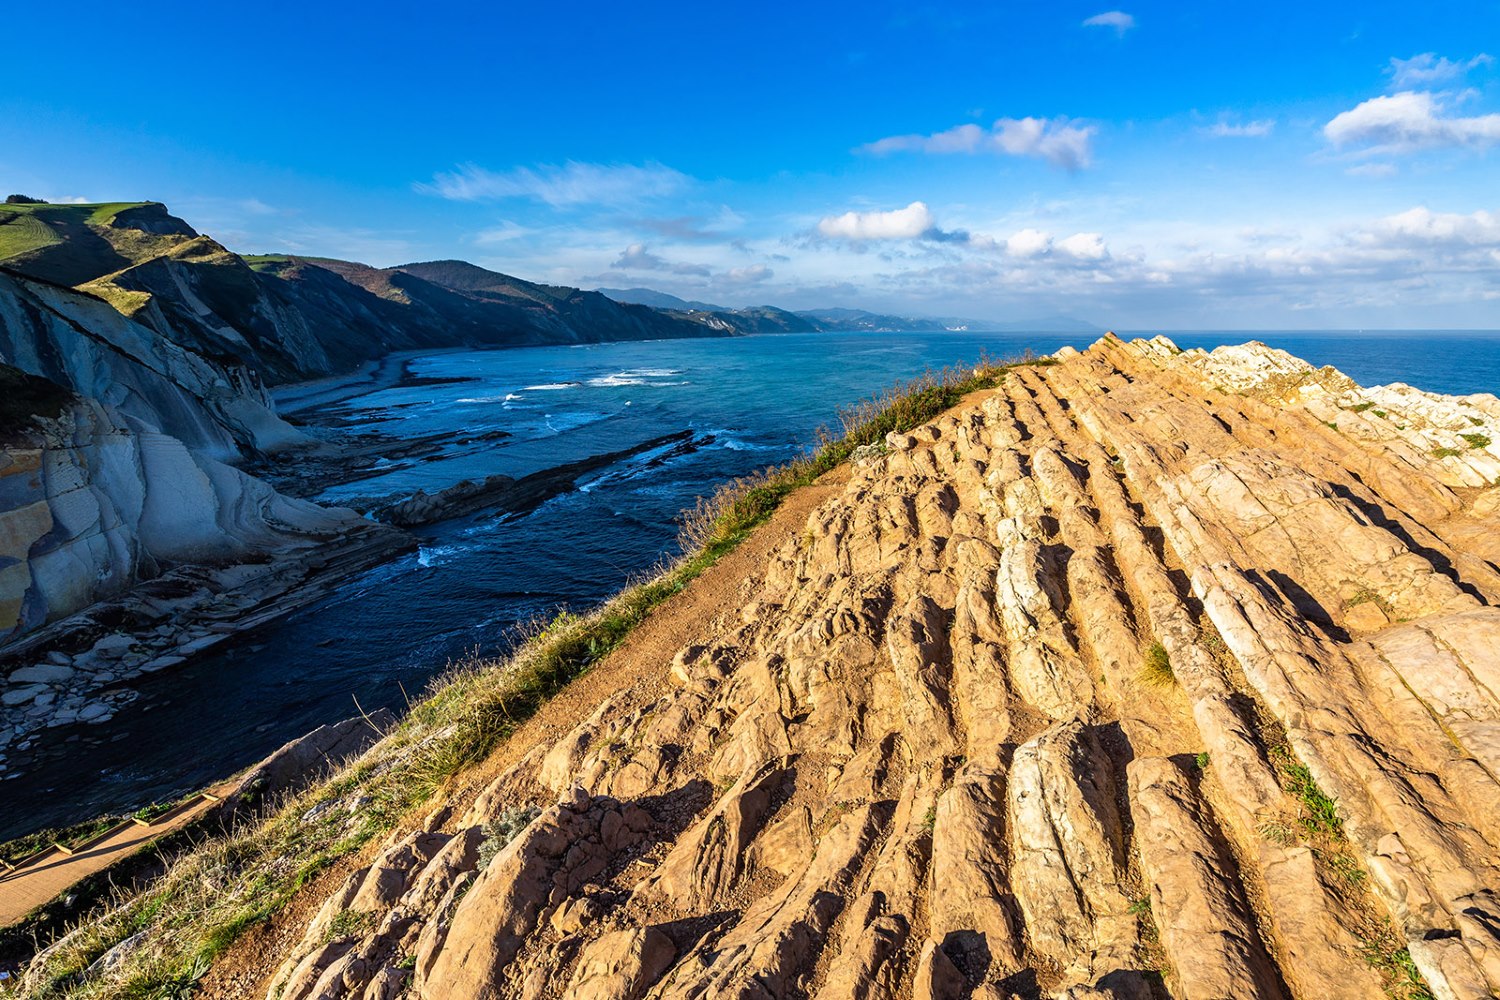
1429 69
1059 141
1120 21
380 248
503 233
561 185
694 228
1409 122
1243 130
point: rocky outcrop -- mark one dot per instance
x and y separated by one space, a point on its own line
123 552
85 345
1131 677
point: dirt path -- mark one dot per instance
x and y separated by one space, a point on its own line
48 875
638 667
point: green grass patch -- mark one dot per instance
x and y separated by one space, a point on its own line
1156 666
1319 813
214 891
1360 407
1476 440
1446 452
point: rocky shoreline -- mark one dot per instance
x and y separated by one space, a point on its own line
79 670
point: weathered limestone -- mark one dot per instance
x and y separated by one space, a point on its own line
923 757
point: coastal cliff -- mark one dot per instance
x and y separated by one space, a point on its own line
1144 673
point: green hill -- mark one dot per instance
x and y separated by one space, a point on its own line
289 317
71 244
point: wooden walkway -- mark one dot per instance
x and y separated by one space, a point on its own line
47 874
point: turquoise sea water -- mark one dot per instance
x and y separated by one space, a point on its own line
749 402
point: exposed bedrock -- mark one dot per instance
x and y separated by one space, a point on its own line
1129 678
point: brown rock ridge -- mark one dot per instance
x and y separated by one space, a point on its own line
923 759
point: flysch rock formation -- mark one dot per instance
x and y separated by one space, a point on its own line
924 758
128 540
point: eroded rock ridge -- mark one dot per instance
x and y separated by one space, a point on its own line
1147 673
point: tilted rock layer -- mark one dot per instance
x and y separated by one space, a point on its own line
926 757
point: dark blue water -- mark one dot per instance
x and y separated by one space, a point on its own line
750 402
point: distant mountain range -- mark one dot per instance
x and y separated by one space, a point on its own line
842 320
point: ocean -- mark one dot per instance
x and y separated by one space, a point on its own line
377 642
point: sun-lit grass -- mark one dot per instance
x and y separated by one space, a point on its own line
212 893
1156 666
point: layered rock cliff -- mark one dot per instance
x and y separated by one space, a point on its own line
1148 673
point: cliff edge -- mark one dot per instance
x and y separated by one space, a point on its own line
1147 673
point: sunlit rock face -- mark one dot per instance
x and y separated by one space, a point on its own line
1132 671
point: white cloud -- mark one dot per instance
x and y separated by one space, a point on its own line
1421 225
1084 246
1056 140
1408 122
1028 243
752 275
1116 19
1246 130
906 223
1429 68
1372 170
637 257
564 185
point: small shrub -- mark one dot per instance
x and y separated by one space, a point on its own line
1157 669
346 924
1476 421
1361 407
1141 906
502 830
1344 867
1476 440
148 813
1381 414
1201 760
1446 453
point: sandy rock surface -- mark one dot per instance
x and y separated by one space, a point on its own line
926 757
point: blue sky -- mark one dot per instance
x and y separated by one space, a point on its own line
1149 165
